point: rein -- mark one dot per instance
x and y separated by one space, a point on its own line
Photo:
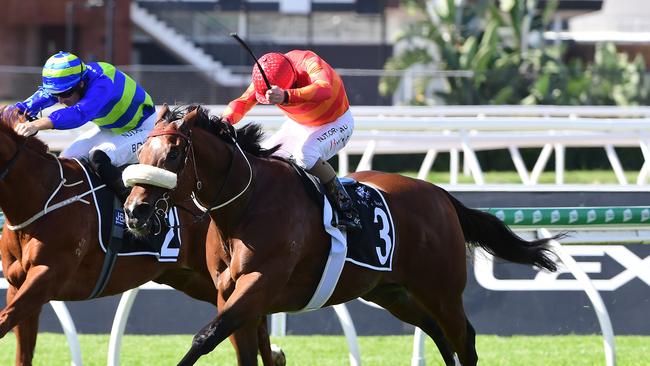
147 174
214 205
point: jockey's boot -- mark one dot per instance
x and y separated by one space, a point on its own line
338 196
109 174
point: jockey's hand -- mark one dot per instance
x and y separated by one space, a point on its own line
31 128
275 95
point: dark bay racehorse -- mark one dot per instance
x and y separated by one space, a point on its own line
271 234
58 256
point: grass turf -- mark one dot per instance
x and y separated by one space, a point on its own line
138 350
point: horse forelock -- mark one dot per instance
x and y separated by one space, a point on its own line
9 116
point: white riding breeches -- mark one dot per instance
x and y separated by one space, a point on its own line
121 148
307 144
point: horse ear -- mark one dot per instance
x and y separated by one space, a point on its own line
188 120
162 112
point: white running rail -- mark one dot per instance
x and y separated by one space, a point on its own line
462 131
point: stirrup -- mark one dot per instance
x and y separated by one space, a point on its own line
350 220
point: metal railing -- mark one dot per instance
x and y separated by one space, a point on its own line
462 132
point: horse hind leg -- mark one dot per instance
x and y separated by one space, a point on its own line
399 302
450 315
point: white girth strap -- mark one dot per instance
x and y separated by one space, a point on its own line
334 264
147 174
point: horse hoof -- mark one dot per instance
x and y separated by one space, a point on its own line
278 356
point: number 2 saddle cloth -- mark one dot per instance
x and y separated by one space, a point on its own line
164 243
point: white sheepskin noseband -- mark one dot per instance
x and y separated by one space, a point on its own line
147 174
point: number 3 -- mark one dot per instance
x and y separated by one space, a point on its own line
383 234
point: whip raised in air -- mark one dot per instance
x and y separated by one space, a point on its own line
241 42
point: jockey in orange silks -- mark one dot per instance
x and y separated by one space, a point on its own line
319 122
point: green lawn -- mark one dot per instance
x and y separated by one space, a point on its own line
332 350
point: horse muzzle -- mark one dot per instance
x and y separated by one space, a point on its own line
138 215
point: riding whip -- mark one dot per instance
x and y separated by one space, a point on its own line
250 52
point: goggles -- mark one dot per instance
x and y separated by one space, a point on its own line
67 93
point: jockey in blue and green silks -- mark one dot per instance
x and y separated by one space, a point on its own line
122 111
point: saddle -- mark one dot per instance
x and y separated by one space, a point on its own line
373 246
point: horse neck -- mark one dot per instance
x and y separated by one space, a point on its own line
28 184
214 172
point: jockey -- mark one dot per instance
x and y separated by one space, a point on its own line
319 122
122 111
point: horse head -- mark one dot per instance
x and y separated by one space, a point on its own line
167 170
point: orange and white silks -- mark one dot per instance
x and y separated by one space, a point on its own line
318 96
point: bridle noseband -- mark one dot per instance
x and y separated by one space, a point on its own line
214 205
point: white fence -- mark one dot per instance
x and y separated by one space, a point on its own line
468 129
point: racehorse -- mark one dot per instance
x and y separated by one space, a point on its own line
58 257
271 234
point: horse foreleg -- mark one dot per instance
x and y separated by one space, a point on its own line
264 345
28 299
253 336
244 306
26 332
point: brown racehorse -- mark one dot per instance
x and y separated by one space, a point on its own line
272 235
58 256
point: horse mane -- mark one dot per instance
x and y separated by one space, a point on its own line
9 116
249 137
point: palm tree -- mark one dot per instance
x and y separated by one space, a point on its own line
499 56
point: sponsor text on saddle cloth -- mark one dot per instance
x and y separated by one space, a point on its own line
164 245
371 248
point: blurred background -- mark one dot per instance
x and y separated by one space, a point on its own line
389 52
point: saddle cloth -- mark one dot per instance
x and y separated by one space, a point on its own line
164 245
371 248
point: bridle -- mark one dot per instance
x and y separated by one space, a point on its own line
163 203
14 157
12 160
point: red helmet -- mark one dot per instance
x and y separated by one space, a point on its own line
278 69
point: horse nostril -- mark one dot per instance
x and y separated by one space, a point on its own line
137 214
142 211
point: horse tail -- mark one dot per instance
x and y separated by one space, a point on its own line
488 232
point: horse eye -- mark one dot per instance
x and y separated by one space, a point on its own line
173 154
